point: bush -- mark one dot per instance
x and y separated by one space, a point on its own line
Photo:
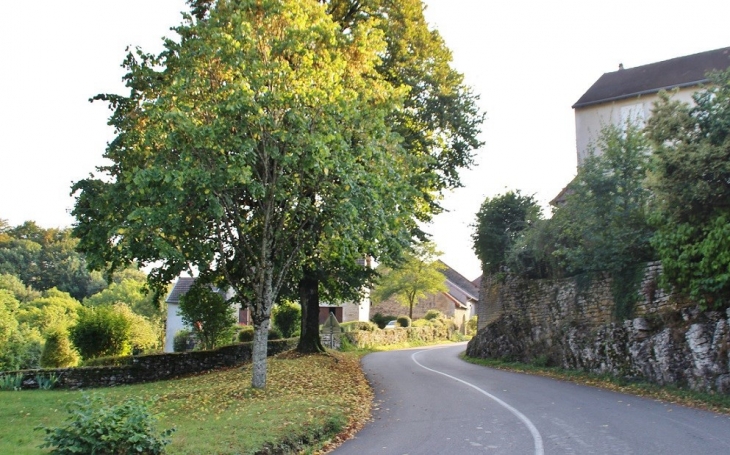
58 351
246 334
358 325
287 317
434 314
109 361
403 321
11 381
471 326
274 334
381 320
97 427
183 341
102 331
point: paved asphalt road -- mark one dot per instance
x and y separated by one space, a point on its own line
428 401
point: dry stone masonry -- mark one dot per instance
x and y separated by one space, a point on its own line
570 323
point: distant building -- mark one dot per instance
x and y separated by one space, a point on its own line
458 302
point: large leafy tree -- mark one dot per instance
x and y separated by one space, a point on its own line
418 276
691 182
439 125
226 146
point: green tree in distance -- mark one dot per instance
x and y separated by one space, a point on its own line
417 277
226 144
690 180
500 222
208 313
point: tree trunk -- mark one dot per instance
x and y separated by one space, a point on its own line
260 353
309 340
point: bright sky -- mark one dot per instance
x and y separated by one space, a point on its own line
529 60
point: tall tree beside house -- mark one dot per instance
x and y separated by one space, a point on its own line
439 125
226 146
690 180
500 222
417 277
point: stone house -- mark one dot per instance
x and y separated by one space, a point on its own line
458 302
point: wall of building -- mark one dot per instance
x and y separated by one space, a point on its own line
570 323
591 119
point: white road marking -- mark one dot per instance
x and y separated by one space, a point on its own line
533 430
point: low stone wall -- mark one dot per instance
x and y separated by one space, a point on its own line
369 339
153 367
571 324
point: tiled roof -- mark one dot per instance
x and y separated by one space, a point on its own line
182 286
679 72
459 287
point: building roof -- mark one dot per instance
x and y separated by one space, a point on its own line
678 72
459 288
182 286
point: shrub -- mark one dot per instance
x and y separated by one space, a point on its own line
471 326
433 314
403 321
421 323
102 331
287 317
109 361
358 325
246 334
183 341
381 320
46 382
11 381
58 351
97 427
274 334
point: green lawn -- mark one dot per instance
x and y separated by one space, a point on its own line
308 400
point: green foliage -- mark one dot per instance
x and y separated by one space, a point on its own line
130 288
58 351
23 349
21 292
53 309
381 320
471 326
403 321
102 331
691 182
47 381
604 223
184 341
209 314
11 381
500 222
433 314
246 334
47 258
98 427
109 361
358 325
287 317
417 277
274 334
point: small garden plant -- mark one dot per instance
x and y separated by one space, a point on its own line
96 427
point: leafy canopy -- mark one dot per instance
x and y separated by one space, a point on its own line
690 180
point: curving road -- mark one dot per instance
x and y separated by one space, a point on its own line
428 401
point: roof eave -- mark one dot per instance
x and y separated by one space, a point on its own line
642 93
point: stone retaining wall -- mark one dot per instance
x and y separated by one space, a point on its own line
571 324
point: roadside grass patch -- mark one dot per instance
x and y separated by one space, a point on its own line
310 401
715 402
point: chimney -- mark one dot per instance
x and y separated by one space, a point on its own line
620 66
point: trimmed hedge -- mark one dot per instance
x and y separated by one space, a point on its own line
426 333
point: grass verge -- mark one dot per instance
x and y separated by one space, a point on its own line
714 402
311 402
